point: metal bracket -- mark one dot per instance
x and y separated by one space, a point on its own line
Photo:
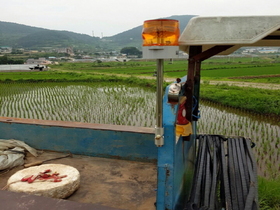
159 138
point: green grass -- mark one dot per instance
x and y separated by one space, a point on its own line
244 59
55 76
38 76
108 67
269 193
241 71
251 99
270 78
144 68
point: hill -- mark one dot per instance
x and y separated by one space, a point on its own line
28 37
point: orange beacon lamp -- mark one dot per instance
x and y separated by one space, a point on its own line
160 41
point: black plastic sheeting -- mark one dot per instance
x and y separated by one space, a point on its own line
225 175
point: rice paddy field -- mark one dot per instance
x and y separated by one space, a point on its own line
103 103
112 93
117 103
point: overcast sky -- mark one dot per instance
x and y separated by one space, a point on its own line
110 17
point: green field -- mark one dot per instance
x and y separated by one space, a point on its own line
240 69
261 101
210 69
260 69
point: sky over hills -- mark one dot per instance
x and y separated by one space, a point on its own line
110 17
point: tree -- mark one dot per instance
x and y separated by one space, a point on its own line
130 51
4 59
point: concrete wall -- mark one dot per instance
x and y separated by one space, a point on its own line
101 140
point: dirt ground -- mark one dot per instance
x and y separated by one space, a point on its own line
248 84
109 182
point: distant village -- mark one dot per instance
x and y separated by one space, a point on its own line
69 56
80 56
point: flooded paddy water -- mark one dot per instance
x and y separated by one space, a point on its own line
84 102
264 132
111 103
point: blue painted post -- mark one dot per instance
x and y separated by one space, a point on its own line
175 162
166 153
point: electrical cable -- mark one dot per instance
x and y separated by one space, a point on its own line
194 107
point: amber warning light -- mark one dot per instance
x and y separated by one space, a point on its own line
161 32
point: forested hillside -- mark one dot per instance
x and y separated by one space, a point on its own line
22 36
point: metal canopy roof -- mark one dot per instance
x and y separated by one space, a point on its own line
233 31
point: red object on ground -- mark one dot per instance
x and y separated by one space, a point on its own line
44 176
